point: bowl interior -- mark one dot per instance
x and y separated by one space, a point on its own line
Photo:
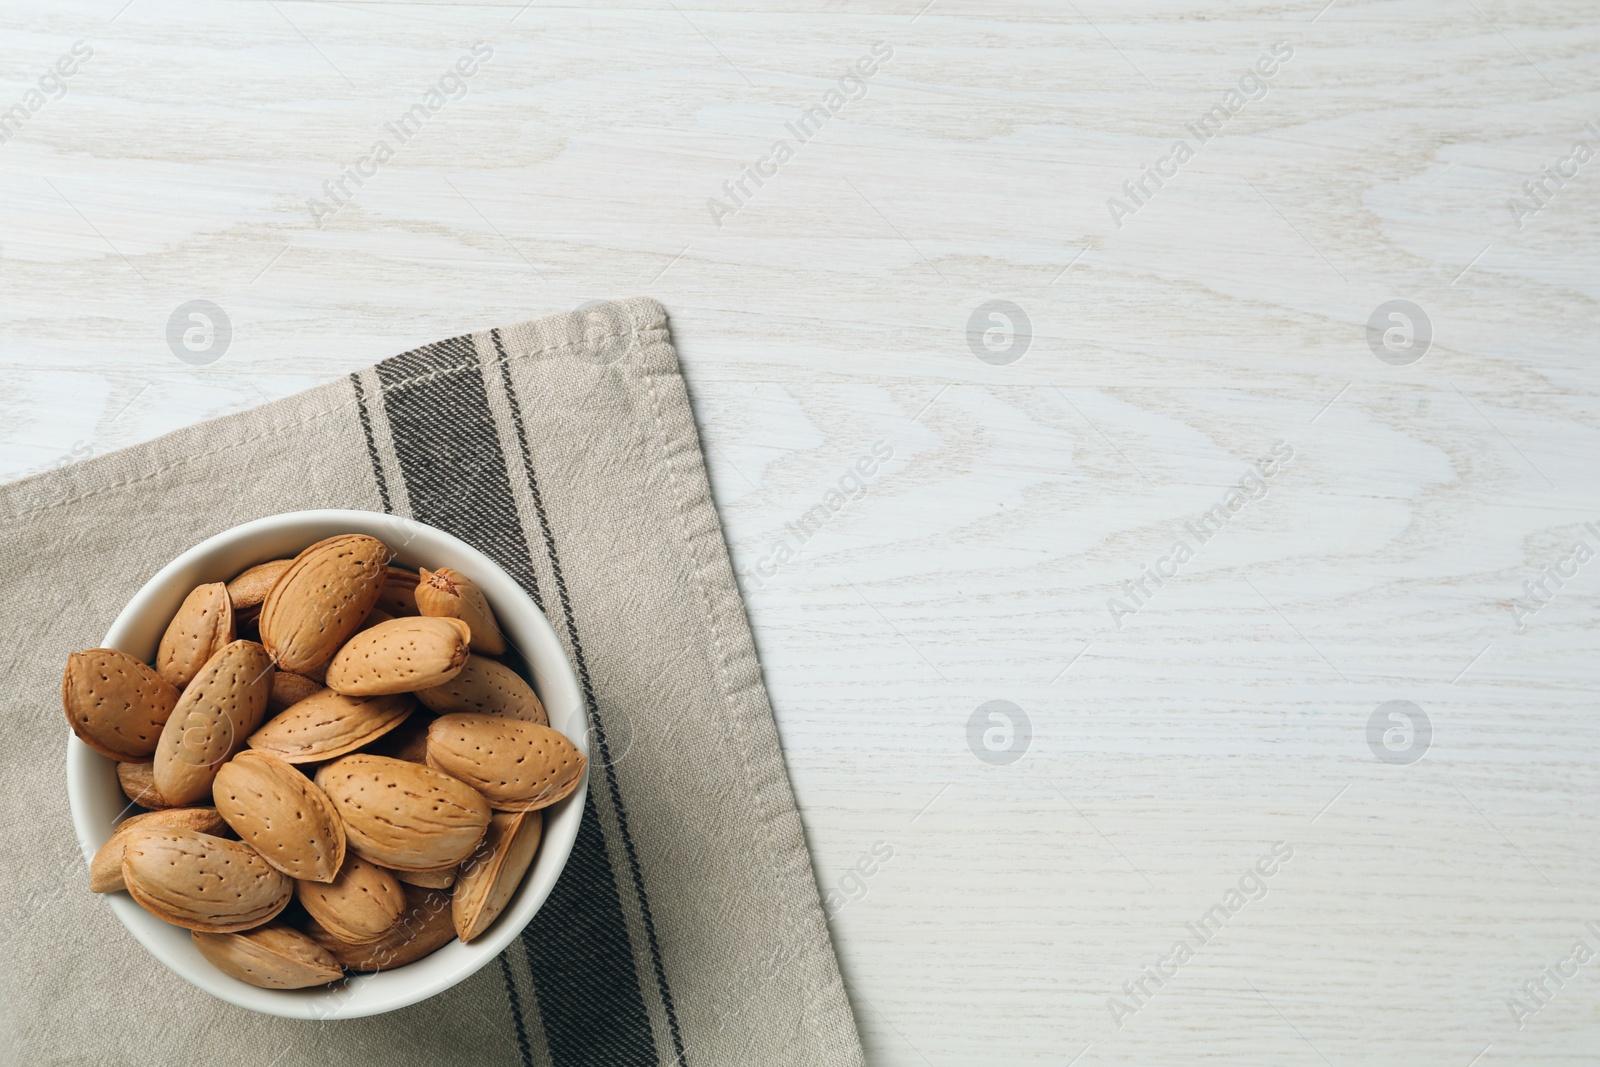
98 803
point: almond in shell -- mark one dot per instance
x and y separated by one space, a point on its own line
424 928
115 704
408 741
318 602
138 781
202 627
200 882
105 870
247 591
399 595
400 656
516 765
403 815
220 709
488 687
280 811
328 724
374 617
447 593
289 688
443 878
359 906
491 876
275 956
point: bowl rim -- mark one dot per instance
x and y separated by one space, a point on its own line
554 679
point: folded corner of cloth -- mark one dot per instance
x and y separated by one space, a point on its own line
686 927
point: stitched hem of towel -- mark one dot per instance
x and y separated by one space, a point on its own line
274 431
734 721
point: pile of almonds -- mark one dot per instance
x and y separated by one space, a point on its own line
306 816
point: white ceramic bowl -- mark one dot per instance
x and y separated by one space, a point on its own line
98 802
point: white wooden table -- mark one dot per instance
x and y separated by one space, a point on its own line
1172 737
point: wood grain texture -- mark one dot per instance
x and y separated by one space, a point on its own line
830 312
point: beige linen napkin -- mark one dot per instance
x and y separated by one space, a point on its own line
686 928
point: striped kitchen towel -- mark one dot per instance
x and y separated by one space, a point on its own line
686 928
